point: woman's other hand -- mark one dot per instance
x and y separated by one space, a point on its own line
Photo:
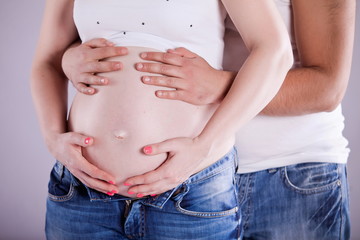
184 158
67 148
193 79
81 62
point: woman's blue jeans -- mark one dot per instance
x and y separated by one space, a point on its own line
204 207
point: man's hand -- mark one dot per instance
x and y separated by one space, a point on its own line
66 148
193 79
81 62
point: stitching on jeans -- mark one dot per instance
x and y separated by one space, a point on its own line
64 198
206 214
309 190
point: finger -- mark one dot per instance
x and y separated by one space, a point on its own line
181 51
95 172
92 79
147 178
169 82
152 189
102 66
83 88
79 139
171 95
159 148
96 184
107 52
98 42
164 57
163 69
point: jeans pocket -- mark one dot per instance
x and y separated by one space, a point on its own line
310 178
60 187
213 197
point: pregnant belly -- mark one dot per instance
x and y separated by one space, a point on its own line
125 115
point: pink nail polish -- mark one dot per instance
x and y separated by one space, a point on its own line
114 191
140 195
131 193
148 150
153 195
127 184
87 140
110 193
111 182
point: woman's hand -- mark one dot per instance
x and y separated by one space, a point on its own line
184 158
81 62
195 81
66 148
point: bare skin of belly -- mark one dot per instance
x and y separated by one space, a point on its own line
125 116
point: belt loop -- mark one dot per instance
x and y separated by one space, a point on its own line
59 168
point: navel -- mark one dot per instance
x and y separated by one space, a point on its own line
120 134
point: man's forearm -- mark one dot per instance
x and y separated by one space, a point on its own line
306 91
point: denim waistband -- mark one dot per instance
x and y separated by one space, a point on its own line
227 161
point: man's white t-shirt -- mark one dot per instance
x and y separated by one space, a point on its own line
268 142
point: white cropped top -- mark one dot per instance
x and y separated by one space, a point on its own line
160 24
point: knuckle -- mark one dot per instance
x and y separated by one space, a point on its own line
83 55
166 57
169 81
163 69
102 40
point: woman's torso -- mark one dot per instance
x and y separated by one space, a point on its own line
125 115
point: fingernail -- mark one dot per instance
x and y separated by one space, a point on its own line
103 81
114 191
159 94
110 193
148 150
111 182
127 184
87 140
140 195
131 193
146 79
143 55
153 195
118 66
139 66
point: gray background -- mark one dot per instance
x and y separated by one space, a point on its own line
25 163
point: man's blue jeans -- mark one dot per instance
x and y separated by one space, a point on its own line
204 207
299 202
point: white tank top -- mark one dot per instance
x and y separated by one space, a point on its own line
160 24
270 142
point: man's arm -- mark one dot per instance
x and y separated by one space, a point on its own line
324 32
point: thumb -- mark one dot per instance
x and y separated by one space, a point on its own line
183 52
158 148
80 139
